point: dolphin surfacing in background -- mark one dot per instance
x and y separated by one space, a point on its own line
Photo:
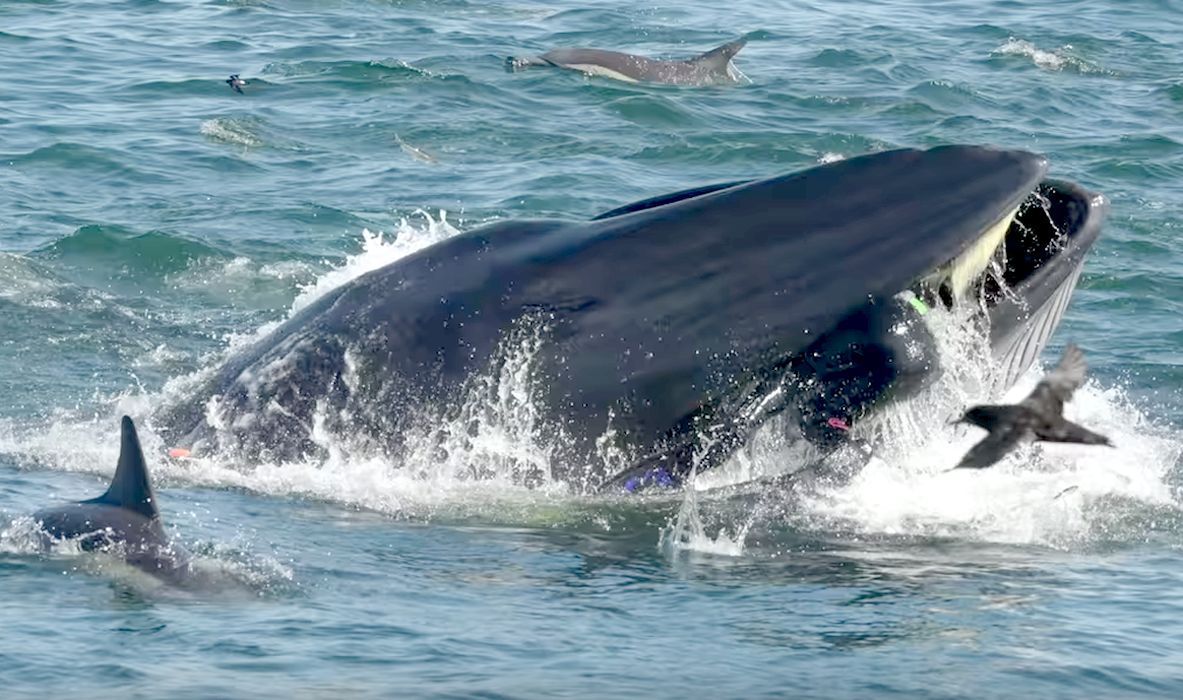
126 517
669 329
714 67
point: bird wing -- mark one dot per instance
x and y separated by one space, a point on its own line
991 448
1067 431
1057 387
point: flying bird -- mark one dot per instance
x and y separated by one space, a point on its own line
1040 416
236 82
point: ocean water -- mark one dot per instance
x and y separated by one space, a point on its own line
151 219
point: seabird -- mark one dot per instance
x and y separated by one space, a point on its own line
236 82
1040 416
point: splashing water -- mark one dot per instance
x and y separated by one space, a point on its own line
1056 60
1041 494
688 533
1044 494
378 250
499 431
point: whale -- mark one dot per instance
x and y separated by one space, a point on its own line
124 520
657 337
715 67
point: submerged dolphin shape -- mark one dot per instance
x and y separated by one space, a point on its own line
660 335
126 517
711 68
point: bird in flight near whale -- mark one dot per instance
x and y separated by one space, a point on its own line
1040 416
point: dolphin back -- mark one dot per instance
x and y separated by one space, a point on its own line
709 68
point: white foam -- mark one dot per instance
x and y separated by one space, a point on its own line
1045 494
1040 494
908 488
492 452
378 250
160 356
23 283
1056 59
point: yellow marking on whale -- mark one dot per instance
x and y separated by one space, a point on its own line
971 263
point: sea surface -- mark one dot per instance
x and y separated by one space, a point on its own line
151 219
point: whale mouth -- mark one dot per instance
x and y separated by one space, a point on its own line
1039 244
1054 227
1036 270
1017 275
1022 271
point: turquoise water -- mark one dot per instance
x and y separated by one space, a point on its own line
150 217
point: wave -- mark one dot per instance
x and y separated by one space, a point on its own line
120 252
848 58
373 73
80 158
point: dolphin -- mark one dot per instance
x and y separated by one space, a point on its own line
711 68
660 335
125 518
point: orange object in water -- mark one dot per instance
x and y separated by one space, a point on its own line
178 452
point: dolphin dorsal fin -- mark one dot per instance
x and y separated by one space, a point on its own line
130 488
718 57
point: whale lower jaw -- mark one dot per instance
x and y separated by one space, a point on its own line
1019 349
